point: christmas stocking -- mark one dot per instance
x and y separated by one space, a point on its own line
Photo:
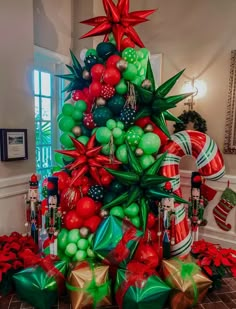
223 208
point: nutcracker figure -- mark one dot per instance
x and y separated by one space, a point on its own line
167 222
53 213
196 205
33 209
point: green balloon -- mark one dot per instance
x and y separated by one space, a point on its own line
136 129
116 104
121 154
117 132
111 124
91 52
137 81
71 249
80 255
120 125
83 139
90 253
58 157
136 222
117 211
142 53
121 87
83 244
146 161
130 73
67 109
77 115
62 239
133 138
132 210
103 135
106 150
150 143
73 236
120 140
66 124
65 139
81 105
101 115
129 54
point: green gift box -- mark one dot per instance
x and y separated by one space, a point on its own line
115 241
140 287
41 285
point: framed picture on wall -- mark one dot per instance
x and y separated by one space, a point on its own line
14 145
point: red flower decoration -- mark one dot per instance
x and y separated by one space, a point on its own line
119 21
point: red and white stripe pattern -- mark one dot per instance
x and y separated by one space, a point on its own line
210 164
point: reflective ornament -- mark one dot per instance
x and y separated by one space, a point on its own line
122 65
86 75
146 84
77 131
148 128
139 152
84 232
104 213
100 101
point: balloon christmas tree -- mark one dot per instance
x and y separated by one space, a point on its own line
113 136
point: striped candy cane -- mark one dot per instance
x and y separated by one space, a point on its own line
210 164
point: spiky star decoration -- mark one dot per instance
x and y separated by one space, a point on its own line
87 160
154 102
119 21
143 184
75 77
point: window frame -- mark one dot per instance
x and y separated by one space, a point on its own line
52 63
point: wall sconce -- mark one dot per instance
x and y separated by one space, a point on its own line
199 89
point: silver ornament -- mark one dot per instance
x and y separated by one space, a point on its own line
146 84
84 232
86 75
122 65
100 101
104 213
148 128
139 152
77 131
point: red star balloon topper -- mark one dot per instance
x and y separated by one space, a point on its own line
119 21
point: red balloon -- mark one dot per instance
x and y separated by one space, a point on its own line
150 235
63 180
72 220
111 76
147 255
69 198
127 42
92 223
95 89
97 72
86 207
112 61
151 220
77 95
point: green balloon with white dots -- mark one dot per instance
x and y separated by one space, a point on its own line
130 55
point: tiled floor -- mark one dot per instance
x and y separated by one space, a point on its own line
224 298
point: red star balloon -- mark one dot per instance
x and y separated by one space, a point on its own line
88 160
119 21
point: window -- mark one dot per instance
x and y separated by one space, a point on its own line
43 93
48 99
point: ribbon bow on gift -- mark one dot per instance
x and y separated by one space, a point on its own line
136 275
121 252
187 271
97 291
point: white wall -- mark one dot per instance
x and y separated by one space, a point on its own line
53 24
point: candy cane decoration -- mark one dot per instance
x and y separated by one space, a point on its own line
209 160
210 164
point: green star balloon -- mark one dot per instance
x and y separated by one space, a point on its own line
75 77
144 184
155 103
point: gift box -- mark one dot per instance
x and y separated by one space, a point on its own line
188 282
89 286
41 284
140 287
115 241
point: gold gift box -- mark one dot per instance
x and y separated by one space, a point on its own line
80 277
188 289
